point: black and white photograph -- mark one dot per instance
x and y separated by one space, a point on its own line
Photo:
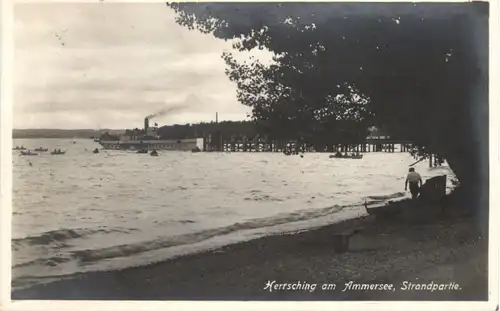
251 151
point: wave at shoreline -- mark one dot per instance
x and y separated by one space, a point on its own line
59 237
94 256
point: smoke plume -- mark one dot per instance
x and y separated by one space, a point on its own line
190 102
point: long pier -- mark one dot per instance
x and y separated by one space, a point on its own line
262 145
371 144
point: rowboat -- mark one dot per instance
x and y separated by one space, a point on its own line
354 156
27 153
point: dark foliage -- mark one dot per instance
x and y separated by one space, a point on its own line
422 69
226 128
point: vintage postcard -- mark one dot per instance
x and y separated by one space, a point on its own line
251 151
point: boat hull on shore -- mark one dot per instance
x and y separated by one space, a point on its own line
385 209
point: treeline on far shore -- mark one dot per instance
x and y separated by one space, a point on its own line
60 133
197 130
236 129
225 128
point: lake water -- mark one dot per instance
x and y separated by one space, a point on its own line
83 212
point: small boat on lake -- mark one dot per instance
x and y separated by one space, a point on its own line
142 151
57 152
290 152
346 156
154 153
42 149
196 150
28 153
19 148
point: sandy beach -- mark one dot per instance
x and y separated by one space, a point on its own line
446 252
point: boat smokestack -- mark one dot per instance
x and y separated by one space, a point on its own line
146 124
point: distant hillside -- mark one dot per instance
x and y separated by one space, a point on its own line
57 133
176 131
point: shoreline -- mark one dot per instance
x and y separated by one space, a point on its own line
441 251
300 224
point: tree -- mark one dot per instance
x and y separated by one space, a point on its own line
422 70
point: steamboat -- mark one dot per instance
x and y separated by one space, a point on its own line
148 139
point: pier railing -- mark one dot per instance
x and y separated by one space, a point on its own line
262 145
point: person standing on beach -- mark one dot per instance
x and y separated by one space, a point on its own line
413 178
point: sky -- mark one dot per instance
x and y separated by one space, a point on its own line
99 65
